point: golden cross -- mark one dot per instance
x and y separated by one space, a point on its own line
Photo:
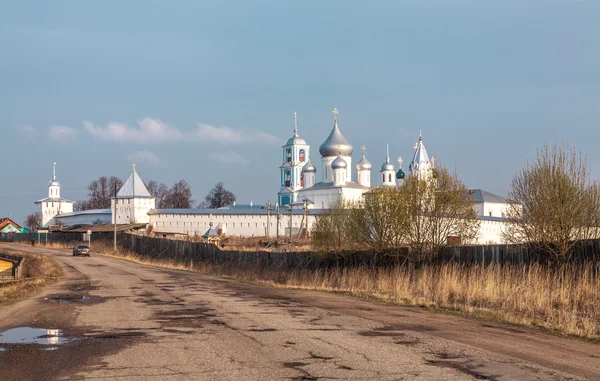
335 114
363 149
400 161
133 167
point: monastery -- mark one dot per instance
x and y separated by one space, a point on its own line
300 199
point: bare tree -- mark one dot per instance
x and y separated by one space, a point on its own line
100 191
158 191
555 203
422 214
34 221
437 208
331 230
375 221
179 196
219 196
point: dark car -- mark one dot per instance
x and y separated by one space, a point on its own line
81 250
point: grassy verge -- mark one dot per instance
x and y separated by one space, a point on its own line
38 271
565 301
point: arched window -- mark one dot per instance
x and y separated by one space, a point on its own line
390 178
289 155
302 155
302 179
383 178
288 178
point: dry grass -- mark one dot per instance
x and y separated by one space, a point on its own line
565 300
38 271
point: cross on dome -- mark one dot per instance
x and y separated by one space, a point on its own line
335 114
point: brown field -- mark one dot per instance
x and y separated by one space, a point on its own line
565 300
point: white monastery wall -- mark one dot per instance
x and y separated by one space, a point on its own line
246 225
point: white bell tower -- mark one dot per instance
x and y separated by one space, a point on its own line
53 205
388 175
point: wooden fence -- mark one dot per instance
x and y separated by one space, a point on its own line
186 252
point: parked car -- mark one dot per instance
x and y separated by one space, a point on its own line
81 250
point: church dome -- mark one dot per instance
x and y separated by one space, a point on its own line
387 166
339 163
336 143
54 183
400 174
364 164
294 140
309 167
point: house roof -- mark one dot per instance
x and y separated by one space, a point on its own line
85 213
79 228
213 231
4 222
133 187
480 196
53 199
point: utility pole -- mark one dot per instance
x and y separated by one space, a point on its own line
277 207
291 220
115 221
268 219
304 218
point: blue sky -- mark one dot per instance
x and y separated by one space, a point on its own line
206 91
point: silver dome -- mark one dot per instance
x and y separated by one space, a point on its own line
309 167
54 183
387 166
339 163
295 140
364 164
335 143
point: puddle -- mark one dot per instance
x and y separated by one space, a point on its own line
66 299
28 335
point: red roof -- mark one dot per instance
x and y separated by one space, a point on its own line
7 221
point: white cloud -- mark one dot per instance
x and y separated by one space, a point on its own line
28 130
144 157
228 157
63 134
207 132
149 130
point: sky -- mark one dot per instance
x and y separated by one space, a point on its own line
206 91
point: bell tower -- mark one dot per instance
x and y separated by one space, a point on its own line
295 156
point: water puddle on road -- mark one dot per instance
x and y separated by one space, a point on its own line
28 335
67 299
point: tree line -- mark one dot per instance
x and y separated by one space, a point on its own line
179 196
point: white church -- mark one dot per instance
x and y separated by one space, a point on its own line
301 197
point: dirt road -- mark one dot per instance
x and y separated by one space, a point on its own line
126 321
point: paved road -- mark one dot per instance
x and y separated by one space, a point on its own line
132 322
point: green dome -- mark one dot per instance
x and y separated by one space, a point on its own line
400 174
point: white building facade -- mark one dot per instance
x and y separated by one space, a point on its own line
133 201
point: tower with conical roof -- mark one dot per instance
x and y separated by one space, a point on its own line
388 175
421 165
133 201
53 205
335 144
296 153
